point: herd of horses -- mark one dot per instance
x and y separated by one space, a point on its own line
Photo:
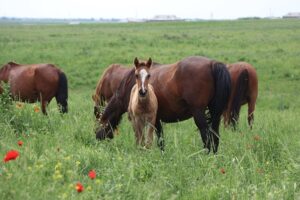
194 87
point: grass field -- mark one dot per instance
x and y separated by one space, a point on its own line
58 151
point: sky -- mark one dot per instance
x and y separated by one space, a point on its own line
209 9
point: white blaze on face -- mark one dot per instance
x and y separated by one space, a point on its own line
143 74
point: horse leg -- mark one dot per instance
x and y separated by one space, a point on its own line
150 134
200 120
44 105
251 108
138 132
160 135
234 118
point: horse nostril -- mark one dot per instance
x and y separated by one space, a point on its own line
142 93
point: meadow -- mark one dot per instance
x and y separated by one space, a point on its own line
59 150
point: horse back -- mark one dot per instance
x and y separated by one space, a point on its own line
28 81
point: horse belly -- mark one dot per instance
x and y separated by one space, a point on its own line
23 89
168 115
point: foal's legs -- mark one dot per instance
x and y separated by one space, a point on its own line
150 126
138 130
160 135
200 120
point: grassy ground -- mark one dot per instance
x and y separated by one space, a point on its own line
58 151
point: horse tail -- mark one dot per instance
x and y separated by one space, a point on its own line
241 87
218 104
62 92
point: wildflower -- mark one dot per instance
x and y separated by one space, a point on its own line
92 174
256 137
11 155
9 175
58 166
89 188
19 105
98 181
57 175
36 109
67 158
20 143
79 187
222 170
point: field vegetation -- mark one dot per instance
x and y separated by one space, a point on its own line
58 151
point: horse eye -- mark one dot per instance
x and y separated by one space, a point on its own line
148 76
136 76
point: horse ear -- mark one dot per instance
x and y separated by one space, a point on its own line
136 62
149 63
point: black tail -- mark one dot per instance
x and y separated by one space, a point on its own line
241 89
62 93
220 99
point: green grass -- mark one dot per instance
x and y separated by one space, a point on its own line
59 151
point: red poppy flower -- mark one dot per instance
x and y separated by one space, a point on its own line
79 187
20 143
11 155
36 109
92 174
222 170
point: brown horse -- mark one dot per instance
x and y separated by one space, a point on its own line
107 85
184 89
244 89
142 106
36 82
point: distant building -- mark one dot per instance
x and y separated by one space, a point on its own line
164 18
292 15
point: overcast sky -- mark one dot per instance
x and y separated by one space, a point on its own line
208 9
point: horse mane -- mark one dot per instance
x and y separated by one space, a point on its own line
119 102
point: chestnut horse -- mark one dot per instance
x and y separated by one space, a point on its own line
184 89
244 89
107 85
36 82
142 106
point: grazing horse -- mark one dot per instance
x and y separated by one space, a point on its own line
36 82
184 89
244 89
142 106
107 85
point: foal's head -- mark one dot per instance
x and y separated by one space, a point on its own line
142 75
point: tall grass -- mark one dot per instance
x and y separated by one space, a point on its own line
59 150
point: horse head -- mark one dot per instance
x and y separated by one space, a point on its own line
142 75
